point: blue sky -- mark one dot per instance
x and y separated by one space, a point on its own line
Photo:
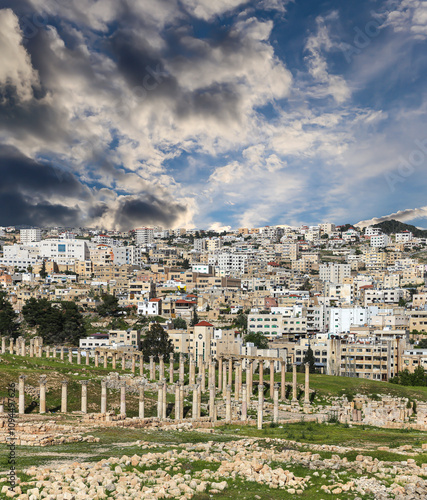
195 113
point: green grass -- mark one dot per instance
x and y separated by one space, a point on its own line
333 434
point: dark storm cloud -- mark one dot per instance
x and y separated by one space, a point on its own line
97 211
148 210
27 185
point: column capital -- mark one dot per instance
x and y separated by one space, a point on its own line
64 382
84 382
22 377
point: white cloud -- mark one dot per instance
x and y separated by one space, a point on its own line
15 67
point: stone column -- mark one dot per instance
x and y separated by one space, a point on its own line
244 403
307 384
161 368
47 351
141 400
249 378
3 345
200 361
212 402
211 375
165 402
31 348
220 374
203 377
87 357
276 403
230 372
2 404
224 378
84 395
177 401
181 368
62 353
271 378
79 356
152 368
105 360
64 396
21 406
261 372
42 395
192 379
103 396
171 368
294 383
70 355
236 382
96 358
141 365
195 410
199 395
240 377
133 364
123 398
228 404
282 380
260 405
11 345
181 401
159 400
23 347
123 362
40 351
114 360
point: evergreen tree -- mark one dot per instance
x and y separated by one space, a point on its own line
194 318
309 358
109 305
156 342
8 318
258 339
241 322
43 272
179 323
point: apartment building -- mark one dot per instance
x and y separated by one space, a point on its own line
30 235
334 273
125 338
144 236
418 321
64 251
275 325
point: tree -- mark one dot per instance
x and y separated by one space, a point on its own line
179 323
258 339
194 318
56 323
43 272
156 342
109 305
310 359
402 302
8 318
241 322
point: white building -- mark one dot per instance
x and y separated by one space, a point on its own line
404 237
144 235
30 235
372 231
127 255
334 273
380 241
152 307
64 251
20 256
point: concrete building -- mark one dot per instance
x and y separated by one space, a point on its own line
30 235
334 273
144 236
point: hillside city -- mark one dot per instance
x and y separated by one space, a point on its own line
356 298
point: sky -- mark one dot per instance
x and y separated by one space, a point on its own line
212 113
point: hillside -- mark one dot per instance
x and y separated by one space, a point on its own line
395 226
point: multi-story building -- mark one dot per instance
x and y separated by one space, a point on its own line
64 251
30 235
418 321
334 273
125 338
380 240
276 325
144 236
